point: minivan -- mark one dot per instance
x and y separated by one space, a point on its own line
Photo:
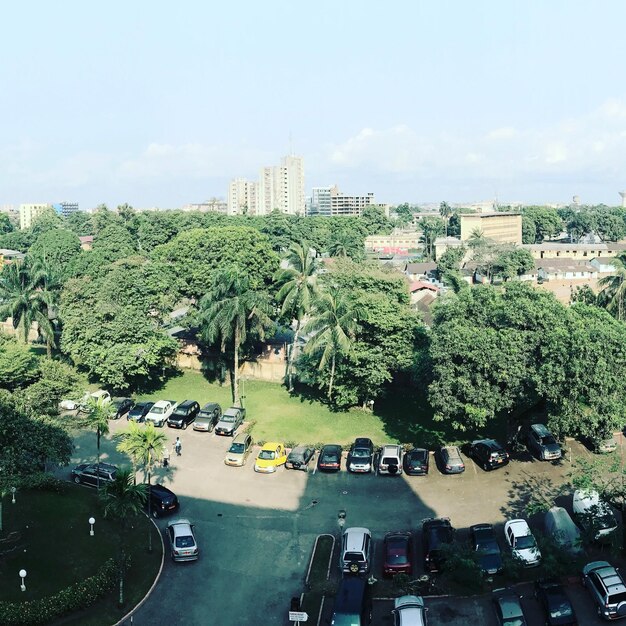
353 603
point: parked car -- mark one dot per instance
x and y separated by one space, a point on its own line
451 460
92 473
607 588
138 412
485 545
593 515
603 445
555 603
488 453
522 542
271 456
231 420
560 526
416 462
508 608
329 459
356 551
390 460
162 501
208 416
409 611
184 414
160 412
299 458
98 396
239 450
398 554
361 456
353 602
183 545
542 443
436 534
122 407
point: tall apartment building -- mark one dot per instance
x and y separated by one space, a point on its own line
29 212
281 187
329 201
65 209
242 197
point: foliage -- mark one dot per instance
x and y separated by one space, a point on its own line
450 260
613 289
513 263
460 568
584 294
431 227
56 249
345 244
18 365
540 223
79 223
375 221
5 224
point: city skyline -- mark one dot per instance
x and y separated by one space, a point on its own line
157 105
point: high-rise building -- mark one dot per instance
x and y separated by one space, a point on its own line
319 202
242 197
65 209
29 212
282 187
329 201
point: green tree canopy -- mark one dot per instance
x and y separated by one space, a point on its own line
56 249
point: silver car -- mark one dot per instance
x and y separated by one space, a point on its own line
182 540
451 460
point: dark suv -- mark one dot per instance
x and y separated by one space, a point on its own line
122 407
92 474
184 414
436 534
488 453
542 443
162 501
361 455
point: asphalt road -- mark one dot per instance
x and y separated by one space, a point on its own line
256 531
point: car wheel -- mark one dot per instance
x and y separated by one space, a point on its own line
486 467
77 480
185 425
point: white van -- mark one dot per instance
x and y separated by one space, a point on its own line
560 526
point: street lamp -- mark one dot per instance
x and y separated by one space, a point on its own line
13 490
92 521
23 576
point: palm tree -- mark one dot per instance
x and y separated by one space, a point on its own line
445 210
98 415
123 500
230 312
297 288
145 448
333 327
432 227
613 289
344 245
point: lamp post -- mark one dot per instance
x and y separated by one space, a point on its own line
13 490
92 521
23 577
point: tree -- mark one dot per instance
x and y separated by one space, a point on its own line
5 224
613 289
445 210
450 260
231 311
332 330
513 263
540 223
144 445
432 227
375 221
344 244
18 365
97 418
297 288
57 380
404 214
56 249
123 501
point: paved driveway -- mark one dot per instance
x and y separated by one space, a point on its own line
256 531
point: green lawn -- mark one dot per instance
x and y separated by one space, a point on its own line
55 549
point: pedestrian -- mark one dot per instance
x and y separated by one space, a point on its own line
178 446
166 456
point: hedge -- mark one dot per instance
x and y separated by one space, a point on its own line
80 595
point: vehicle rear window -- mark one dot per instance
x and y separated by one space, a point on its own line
616 598
329 457
396 553
353 556
390 460
184 542
267 455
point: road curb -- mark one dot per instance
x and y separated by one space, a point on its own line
154 584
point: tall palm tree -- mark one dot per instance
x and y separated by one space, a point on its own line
613 289
344 245
232 310
123 500
445 210
145 448
97 418
332 327
297 289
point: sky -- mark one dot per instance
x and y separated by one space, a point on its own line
160 103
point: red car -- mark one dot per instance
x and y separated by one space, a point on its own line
398 554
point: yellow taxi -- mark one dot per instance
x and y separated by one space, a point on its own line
271 456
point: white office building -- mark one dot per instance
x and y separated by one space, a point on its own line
242 197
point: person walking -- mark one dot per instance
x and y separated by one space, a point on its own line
166 456
178 446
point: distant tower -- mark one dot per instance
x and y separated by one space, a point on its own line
623 194
576 200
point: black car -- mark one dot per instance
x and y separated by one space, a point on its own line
329 458
184 414
557 606
139 411
436 535
299 458
162 501
361 456
122 406
93 474
416 462
485 545
488 453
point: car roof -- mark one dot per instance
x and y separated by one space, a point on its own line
210 406
300 449
509 605
185 403
355 537
141 404
540 429
436 521
363 441
398 534
482 530
518 526
241 437
391 447
331 446
491 443
350 594
179 524
162 403
162 489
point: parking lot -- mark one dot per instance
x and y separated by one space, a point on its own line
256 531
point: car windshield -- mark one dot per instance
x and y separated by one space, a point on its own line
228 418
548 440
360 453
267 455
488 548
237 448
560 608
525 543
513 621
157 410
329 457
117 403
185 542
179 413
139 407
204 414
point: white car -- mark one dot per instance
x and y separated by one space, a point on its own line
390 460
409 611
159 413
183 543
592 514
82 404
522 542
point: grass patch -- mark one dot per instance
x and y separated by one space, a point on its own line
321 559
54 546
311 603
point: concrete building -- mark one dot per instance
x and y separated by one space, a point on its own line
282 187
329 201
65 209
8 256
399 242
242 197
319 202
499 227
213 205
29 212
581 251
